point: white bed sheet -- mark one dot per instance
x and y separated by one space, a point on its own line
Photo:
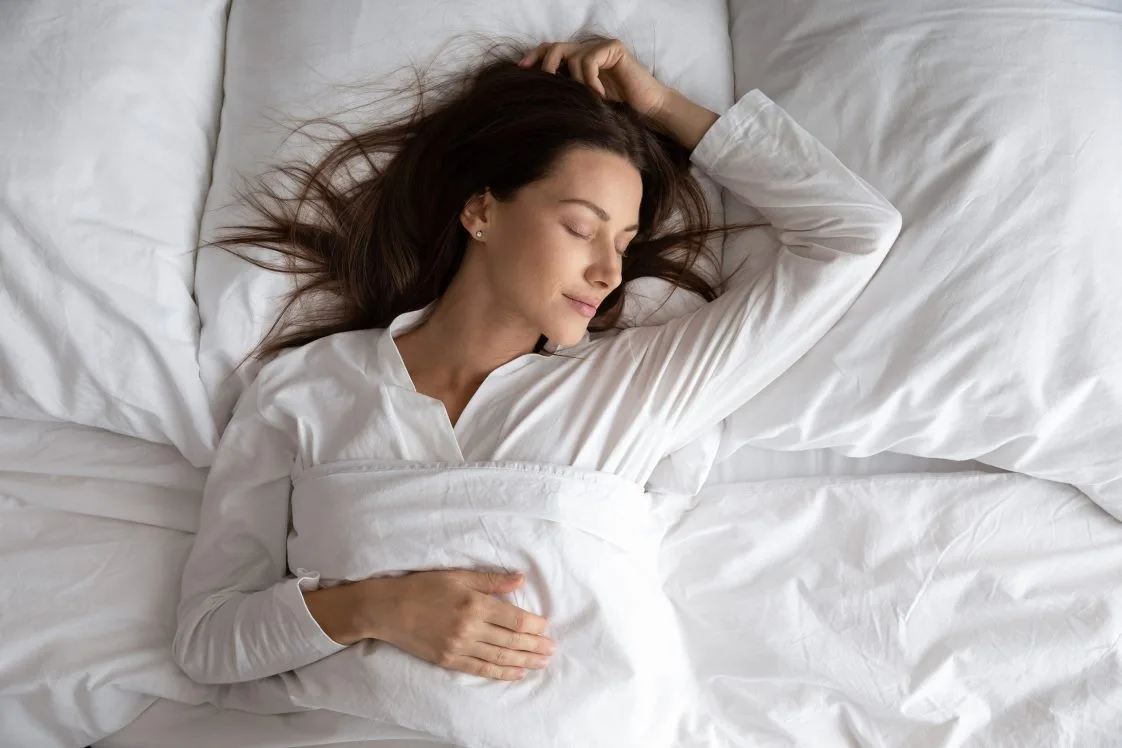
918 609
747 464
97 525
941 609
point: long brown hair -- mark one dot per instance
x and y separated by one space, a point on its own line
371 230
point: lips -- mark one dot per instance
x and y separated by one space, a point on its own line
584 307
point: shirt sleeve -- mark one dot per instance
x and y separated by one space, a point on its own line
239 617
835 230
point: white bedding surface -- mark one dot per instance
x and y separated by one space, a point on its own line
98 525
94 530
943 607
107 132
965 607
747 464
991 330
912 610
954 609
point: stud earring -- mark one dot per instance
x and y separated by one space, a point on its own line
478 234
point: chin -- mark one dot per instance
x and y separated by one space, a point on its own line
566 339
564 326
567 334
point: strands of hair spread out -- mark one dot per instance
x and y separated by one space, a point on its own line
371 229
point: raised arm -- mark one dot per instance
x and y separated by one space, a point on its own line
835 230
239 617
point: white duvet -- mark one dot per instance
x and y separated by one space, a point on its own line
919 610
588 542
951 610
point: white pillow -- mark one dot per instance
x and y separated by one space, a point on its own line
287 61
106 133
993 331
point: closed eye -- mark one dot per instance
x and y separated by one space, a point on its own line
620 252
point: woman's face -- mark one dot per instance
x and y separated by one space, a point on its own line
554 252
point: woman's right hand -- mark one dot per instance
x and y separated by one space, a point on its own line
451 618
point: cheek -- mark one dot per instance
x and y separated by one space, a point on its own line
537 267
548 261
560 269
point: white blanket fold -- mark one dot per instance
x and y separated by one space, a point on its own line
588 545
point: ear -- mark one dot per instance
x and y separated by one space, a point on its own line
476 212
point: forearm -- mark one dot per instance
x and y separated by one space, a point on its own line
348 613
686 120
249 636
836 230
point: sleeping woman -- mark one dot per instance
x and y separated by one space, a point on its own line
428 508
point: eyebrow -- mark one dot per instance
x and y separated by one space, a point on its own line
603 214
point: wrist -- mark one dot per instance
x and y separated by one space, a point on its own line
657 112
347 613
687 121
374 604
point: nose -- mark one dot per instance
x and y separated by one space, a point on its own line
607 271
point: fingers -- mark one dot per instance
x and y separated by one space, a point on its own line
550 53
586 69
583 68
533 55
575 71
484 669
512 618
489 582
513 640
590 72
555 55
495 662
504 657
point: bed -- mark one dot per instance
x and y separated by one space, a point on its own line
911 538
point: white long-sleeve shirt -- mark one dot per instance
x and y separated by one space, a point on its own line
614 404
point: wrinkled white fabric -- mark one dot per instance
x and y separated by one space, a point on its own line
992 332
107 131
588 542
610 407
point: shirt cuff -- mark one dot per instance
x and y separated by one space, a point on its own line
310 630
728 130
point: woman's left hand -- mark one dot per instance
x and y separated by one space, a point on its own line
607 67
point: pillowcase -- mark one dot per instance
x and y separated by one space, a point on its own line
106 136
993 329
290 61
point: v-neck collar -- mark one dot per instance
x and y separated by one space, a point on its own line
407 321
391 366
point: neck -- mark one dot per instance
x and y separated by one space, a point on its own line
466 337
